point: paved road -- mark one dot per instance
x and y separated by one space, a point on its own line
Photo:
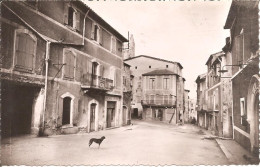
144 143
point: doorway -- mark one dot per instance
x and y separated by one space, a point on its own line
160 114
124 115
17 108
135 114
66 111
111 114
92 116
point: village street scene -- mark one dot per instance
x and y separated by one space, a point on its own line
129 83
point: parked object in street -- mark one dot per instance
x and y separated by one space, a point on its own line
98 141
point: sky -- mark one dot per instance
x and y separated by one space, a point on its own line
187 32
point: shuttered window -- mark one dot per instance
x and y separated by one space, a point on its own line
69 59
71 17
113 44
25 49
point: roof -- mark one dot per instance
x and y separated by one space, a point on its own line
155 58
201 77
100 20
214 56
127 64
160 72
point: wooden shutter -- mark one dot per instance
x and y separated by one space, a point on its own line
101 70
69 67
77 20
89 71
100 36
93 30
30 45
66 13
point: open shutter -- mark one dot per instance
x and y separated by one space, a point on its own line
93 30
66 13
77 20
101 70
89 71
100 36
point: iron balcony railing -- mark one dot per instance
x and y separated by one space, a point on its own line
96 82
168 102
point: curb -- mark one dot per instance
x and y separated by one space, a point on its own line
225 151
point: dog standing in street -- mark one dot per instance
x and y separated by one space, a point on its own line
98 141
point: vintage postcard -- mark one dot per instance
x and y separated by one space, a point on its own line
129 82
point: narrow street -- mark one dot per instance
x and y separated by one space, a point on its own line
143 143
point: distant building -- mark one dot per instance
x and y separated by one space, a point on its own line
192 111
214 112
127 94
186 108
201 104
243 22
61 69
156 84
129 48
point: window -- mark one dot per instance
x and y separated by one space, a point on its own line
149 66
166 66
135 67
25 50
165 83
69 68
152 83
73 18
243 111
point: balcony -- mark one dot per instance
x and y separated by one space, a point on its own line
159 101
94 82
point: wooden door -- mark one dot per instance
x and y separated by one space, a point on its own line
92 117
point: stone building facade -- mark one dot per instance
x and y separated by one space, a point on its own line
61 69
145 67
243 22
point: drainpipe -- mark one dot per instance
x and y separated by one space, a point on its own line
84 28
47 56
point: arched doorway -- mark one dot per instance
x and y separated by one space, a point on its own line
66 110
253 112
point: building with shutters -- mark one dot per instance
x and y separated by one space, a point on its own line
243 71
61 69
158 89
201 104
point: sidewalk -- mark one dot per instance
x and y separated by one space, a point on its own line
235 153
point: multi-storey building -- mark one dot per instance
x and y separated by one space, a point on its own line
201 104
214 112
192 111
186 108
60 70
156 85
243 22
127 94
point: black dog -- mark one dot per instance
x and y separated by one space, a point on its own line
98 141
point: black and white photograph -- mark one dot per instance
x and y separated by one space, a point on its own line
129 82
